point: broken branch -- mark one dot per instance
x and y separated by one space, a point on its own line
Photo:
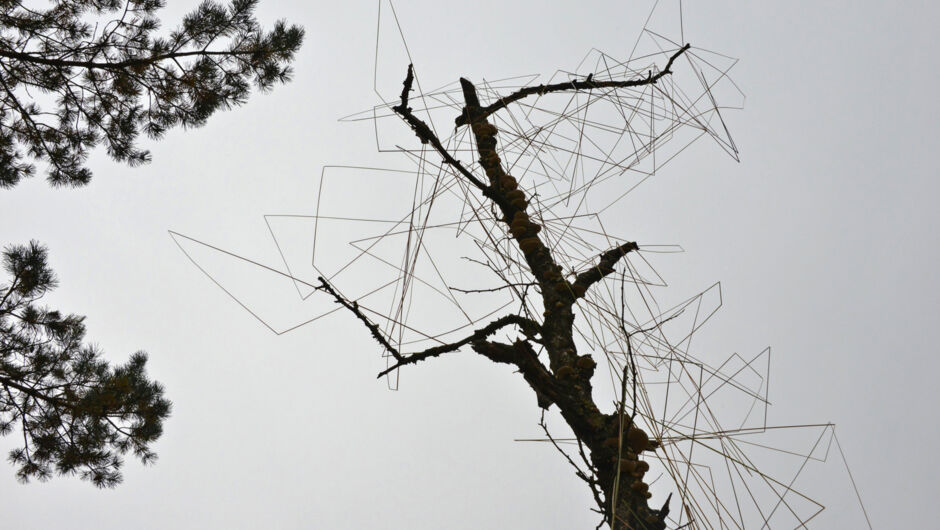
604 267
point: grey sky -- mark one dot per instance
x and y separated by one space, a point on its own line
824 239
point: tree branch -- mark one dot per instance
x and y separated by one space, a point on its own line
604 267
427 136
528 327
7 382
6 295
354 307
590 479
127 63
494 289
508 197
586 84
521 355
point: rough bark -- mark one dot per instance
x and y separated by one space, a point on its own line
616 446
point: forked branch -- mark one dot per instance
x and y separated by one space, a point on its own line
427 136
529 329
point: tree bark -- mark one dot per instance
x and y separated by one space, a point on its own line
615 444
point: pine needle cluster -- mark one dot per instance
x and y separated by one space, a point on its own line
77 414
86 72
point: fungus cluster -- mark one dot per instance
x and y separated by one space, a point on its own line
586 363
565 372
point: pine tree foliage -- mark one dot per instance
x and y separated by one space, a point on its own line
77 414
85 72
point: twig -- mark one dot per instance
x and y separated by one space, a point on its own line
354 307
507 286
591 479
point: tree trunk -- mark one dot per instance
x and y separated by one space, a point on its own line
620 473
616 469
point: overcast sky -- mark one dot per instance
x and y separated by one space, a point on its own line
824 237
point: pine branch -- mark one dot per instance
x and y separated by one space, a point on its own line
29 391
128 63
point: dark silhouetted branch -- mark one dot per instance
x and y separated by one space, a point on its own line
604 267
354 307
427 136
117 65
30 391
586 84
506 194
521 355
528 327
494 289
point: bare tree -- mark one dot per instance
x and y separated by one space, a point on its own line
611 444
526 246
512 256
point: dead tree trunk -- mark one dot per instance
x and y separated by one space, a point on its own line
619 472
610 444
